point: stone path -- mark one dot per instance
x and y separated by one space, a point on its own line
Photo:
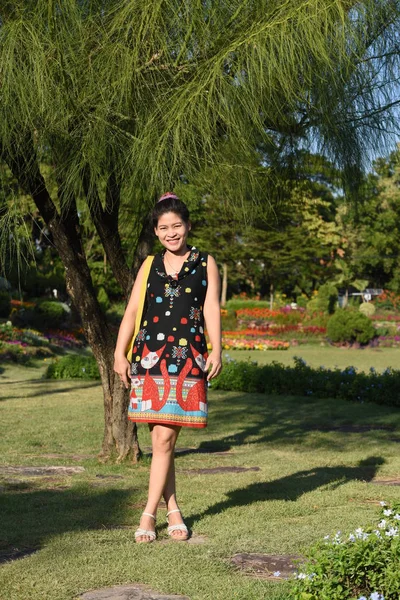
41 471
214 470
395 481
267 566
128 592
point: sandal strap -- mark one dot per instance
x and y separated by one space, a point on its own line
179 527
141 532
173 511
149 515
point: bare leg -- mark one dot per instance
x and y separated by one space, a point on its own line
163 439
170 499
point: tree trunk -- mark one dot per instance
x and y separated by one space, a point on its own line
120 435
224 283
271 296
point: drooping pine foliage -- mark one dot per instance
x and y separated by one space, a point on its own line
152 89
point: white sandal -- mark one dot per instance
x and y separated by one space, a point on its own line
178 527
142 532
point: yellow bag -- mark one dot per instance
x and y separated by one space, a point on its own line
147 265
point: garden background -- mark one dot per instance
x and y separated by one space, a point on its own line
277 123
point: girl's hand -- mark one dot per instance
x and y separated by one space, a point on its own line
214 363
123 369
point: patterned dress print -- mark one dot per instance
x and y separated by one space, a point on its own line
169 384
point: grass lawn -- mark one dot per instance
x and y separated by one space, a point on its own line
328 356
313 479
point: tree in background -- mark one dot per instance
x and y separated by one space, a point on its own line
377 255
125 101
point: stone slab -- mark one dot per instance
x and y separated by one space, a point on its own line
215 470
133 591
265 565
183 450
41 471
394 482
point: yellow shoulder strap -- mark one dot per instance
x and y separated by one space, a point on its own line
147 266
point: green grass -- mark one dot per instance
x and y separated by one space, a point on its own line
313 480
329 356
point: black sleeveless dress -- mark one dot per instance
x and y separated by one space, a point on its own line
169 384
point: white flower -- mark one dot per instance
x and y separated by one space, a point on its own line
327 537
378 534
359 533
397 517
376 596
277 574
301 576
387 512
382 524
352 538
392 532
383 503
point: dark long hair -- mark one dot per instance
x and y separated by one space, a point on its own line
170 203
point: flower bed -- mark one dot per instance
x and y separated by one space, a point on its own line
389 341
21 345
255 344
278 330
31 337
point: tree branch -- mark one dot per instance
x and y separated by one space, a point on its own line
106 223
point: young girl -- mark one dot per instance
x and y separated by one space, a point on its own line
170 364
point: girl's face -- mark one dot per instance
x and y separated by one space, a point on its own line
172 232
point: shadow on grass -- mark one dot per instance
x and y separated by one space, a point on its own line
51 391
291 487
29 517
288 420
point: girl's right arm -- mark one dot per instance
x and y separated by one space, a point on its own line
126 329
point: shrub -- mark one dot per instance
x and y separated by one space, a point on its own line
50 314
347 326
303 380
5 304
367 309
73 366
362 566
325 300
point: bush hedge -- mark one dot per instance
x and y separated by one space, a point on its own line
303 380
73 366
349 326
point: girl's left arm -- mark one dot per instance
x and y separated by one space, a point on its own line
212 316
